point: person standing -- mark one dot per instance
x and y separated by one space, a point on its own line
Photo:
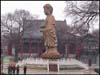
17 70
89 62
13 69
25 69
9 69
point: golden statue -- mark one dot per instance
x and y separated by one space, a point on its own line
49 34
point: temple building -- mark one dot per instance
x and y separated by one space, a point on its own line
33 35
82 47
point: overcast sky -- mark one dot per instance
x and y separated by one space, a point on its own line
36 8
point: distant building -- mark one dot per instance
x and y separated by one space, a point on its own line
90 48
82 47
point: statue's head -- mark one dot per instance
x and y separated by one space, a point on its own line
48 9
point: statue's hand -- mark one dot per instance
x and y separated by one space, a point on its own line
42 26
42 30
45 29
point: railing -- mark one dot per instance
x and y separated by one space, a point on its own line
59 62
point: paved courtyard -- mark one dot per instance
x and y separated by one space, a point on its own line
32 71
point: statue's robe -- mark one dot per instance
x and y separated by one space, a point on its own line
50 39
49 33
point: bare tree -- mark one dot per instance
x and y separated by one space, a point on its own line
84 14
12 24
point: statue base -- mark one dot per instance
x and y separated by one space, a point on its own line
51 53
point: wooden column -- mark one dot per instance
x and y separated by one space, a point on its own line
78 50
30 47
68 51
9 50
38 49
21 47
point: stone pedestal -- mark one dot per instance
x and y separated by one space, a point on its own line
72 56
53 66
51 53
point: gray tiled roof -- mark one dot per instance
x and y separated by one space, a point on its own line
33 28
